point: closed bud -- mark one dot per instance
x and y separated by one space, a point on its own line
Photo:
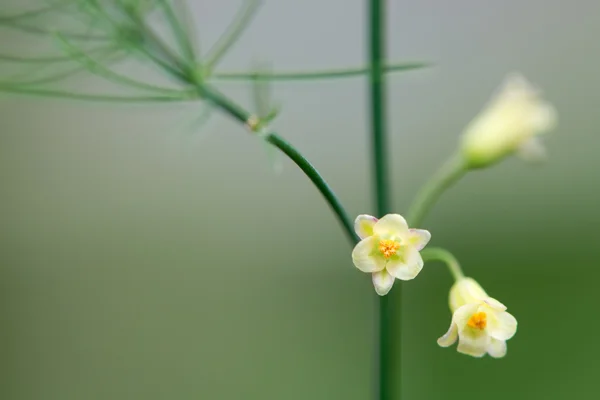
511 123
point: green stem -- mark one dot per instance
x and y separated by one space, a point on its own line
243 116
187 75
443 255
318 181
314 75
454 169
377 44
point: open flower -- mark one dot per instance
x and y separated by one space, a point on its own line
479 323
510 123
388 249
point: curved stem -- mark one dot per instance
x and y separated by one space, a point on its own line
318 181
243 116
443 255
182 71
314 75
385 349
448 175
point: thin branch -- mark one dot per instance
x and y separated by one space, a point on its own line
33 13
44 59
179 32
315 75
57 77
232 34
101 70
89 97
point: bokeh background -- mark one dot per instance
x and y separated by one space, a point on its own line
139 260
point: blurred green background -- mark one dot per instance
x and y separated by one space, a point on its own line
141 261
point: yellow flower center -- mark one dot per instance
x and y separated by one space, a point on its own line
388 247
478 321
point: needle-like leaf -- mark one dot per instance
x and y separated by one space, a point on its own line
179 32
232 34
101 70
315 75
88 97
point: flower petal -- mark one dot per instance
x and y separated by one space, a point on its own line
391 225
497 348
464 291
364 258
418 238
515 84
363 225
383 282
544 118
532 150
449 337
501 325
407 265
495 304
473 343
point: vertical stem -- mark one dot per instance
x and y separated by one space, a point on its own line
377 44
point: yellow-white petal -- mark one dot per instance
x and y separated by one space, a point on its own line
501 325
363 225
364 256
544 118
418 238
515 114
465 291
391 225
532 150
407 266
497 348
450 337
473 343
383 282
495 304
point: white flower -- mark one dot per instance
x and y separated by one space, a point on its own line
479 323
510 123
388 249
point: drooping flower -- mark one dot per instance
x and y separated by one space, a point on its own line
511 123
388 249
479 323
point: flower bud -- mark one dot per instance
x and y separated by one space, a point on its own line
509 124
